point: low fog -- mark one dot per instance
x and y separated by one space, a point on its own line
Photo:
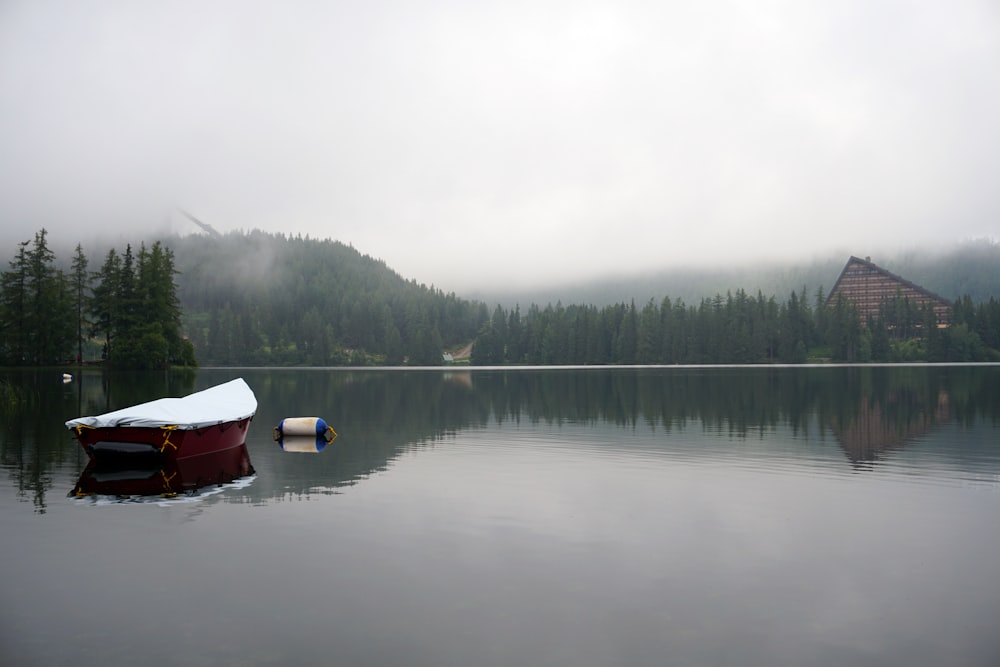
477 145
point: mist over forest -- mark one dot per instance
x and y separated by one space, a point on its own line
967 268
262 298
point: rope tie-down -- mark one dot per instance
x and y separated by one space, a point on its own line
167 491
167 430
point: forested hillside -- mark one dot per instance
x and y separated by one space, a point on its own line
254 298
257 298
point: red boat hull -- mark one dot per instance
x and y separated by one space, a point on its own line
171 443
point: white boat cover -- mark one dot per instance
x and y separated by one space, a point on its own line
231 401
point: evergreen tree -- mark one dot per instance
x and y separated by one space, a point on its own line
844 330
157 295
626 342
515 337
793 331
105 303
80 284
650 337
127 316
36 307
14 306
49 316
879 338
819 316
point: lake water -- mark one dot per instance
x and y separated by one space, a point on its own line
682 516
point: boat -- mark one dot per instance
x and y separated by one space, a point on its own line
132 477
173 428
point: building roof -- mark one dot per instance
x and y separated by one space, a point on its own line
867 262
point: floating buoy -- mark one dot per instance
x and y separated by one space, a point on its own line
67 378
310 428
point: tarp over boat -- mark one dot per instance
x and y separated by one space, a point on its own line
231 401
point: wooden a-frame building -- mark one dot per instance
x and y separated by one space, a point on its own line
867 286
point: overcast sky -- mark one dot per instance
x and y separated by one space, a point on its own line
480 143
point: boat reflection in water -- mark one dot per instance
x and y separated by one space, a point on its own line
303 444
136 477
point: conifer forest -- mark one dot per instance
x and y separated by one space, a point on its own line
263 299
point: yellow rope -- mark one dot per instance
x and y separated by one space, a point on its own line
79 428
168 492
166 437
331 435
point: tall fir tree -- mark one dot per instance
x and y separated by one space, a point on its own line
105 303
14 308
80 284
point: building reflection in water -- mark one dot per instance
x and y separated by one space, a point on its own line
884 424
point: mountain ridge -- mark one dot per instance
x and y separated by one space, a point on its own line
969 268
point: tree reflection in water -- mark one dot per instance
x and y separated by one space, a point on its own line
379 413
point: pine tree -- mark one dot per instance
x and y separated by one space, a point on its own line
80 283
49 315
106 300
648 346
157 295
14 308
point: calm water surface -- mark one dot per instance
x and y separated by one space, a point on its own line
763 516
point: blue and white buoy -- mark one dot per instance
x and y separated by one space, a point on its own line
303 434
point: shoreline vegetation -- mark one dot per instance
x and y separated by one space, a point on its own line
739 329
257 299
128 310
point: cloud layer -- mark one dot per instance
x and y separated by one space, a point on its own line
479 143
